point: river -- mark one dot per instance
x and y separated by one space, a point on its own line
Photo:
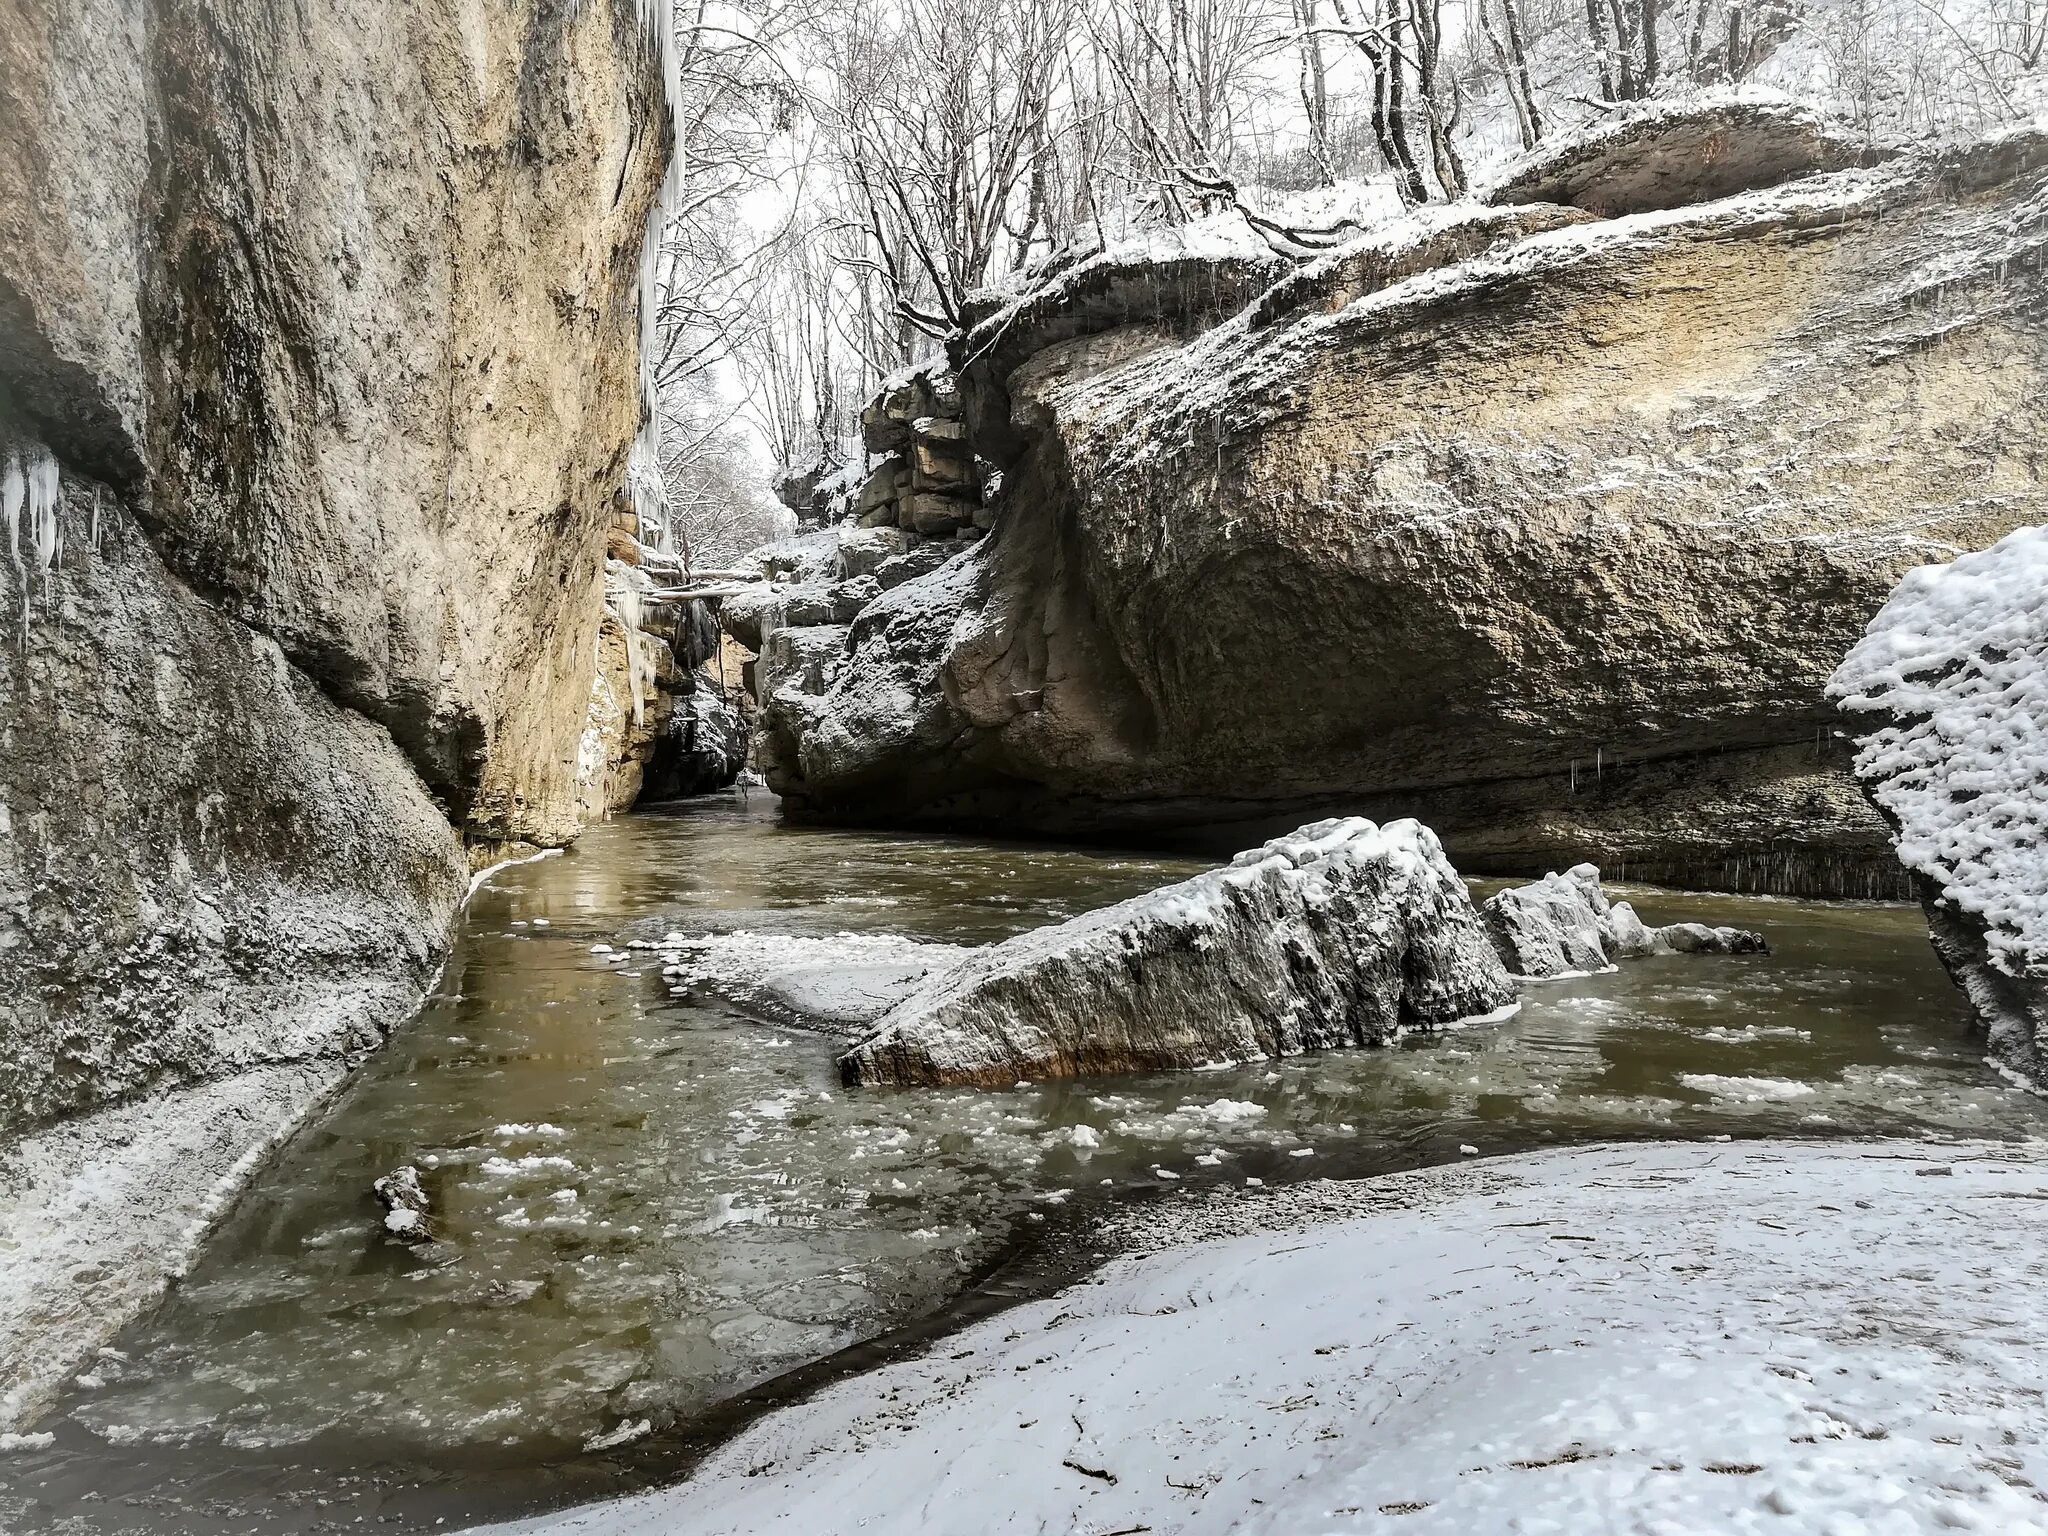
650 1202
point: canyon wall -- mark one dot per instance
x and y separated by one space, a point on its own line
1544 523
318 369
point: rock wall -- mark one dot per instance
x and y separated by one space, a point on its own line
1543 527
326 320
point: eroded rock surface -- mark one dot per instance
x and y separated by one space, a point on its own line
318 342
1341 934
1948 693
1553 546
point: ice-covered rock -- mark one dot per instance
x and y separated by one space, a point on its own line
408 1213
1949 690
839 984
1340 934
1565 925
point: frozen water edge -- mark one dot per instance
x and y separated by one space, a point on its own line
1670 1336
99 1214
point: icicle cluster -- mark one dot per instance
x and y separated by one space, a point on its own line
34 491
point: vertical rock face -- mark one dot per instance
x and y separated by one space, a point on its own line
325 319
1948 689
1340 934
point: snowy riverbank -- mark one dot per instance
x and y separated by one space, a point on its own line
1772 1336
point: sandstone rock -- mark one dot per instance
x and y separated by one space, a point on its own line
1655 155
1565 925
1157 289
407 1211
862 553
927 391
913 563
701 748
946 468
1340 934
934 514
804 658
1553 547
1948 692
884 484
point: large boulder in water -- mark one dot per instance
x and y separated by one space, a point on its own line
1948 690
1341 934
1564 925
1552 546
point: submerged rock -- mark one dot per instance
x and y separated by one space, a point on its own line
1564 924
407 1210
1948 689
1341 934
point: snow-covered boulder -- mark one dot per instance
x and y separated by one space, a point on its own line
1565 925
1948 690
1659 154
1552 547
407 1210
1340 934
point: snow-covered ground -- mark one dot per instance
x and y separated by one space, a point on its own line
1665 1338
99 1213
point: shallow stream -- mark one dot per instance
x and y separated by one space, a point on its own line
650 1202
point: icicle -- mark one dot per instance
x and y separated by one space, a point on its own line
13 490
1597 751
46 525
1575 776
92 536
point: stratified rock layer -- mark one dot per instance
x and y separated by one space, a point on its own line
1552 547
1948 690
1341 934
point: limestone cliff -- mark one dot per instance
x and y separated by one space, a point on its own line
318 367
328 320
1544 527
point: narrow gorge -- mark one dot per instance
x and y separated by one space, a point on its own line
1115 765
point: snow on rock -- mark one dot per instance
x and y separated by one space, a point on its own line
1651 155
1949 686
406 1207
1342 933
1668 1338
1564 925
100 1212
839 984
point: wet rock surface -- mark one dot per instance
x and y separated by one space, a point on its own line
1341 934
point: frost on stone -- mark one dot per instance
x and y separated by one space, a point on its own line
1949 685
1564 925
1343 933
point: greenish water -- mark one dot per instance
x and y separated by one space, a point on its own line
650 1202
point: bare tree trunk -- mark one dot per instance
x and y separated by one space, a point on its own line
1314 84
1603 51
1650 59
1507 75
1518 50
